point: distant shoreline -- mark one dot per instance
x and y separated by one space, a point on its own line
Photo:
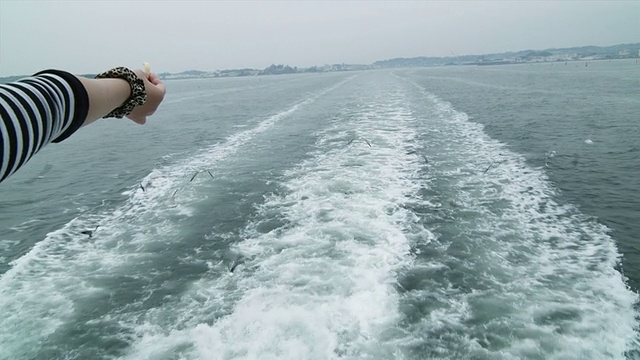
500 63
573 54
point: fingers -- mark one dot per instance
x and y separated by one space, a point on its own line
154 79
162 89
156 91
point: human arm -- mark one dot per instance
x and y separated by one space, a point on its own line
52 105
108 94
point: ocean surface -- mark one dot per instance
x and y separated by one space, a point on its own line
440 213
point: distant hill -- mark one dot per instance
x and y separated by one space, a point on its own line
8 79
564 54
622 51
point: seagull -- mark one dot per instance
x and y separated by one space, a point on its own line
235 264
89 232
490 166
352 140
198 172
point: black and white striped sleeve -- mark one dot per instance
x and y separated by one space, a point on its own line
47 107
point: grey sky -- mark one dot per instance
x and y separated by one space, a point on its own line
85 36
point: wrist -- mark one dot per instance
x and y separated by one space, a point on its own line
118 88
105 95
138 93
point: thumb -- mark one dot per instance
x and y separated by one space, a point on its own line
138 119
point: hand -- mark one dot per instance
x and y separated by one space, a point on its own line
155 94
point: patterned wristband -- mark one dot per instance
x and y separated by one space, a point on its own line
138 93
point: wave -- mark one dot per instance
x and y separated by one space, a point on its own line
513 272
48 288
321 282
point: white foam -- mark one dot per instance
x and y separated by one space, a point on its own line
40 291
322 286
540 260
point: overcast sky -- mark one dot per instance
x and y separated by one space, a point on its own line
86 36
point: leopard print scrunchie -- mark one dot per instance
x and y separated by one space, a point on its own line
138 93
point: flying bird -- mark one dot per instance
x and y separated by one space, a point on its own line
235 264
491 165
352 140
89 232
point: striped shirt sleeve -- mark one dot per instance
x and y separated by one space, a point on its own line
47 107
